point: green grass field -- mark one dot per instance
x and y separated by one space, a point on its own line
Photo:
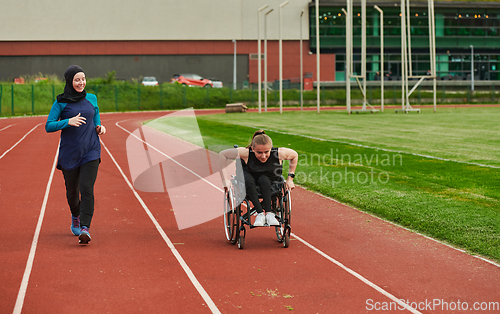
435 173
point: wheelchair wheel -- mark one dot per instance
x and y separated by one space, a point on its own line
288 208
231 217
284 213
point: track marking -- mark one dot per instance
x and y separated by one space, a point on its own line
31 257
363 279
378 148
169 243
6 127
19 141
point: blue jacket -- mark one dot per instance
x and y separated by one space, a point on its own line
78 145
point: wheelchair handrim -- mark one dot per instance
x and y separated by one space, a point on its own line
228 199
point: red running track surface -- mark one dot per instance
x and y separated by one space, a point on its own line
339 261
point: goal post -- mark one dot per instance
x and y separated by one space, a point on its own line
406 56
349 58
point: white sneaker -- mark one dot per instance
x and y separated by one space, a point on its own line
271 220
260 220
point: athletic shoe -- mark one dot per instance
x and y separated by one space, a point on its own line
271 220
260 220
84 236
75 225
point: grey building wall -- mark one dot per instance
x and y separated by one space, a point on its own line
130 20
163 67
28 20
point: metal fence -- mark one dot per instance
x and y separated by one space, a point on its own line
36 99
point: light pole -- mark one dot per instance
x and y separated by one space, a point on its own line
301 65
259 57
381 57
265 59
317 53
281 56
234 65
472 68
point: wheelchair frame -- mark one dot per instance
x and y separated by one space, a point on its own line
235 219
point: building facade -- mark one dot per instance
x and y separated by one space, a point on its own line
459 25
154 38
166 37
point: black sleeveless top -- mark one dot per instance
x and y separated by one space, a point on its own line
271 168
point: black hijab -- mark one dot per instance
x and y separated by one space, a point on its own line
70 94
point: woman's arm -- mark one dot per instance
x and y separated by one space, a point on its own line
93 100
230 154
100 129
53 124
289 154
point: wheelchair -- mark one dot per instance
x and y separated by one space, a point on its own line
238 214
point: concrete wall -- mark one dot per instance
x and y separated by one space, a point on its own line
69 20
150 37
163 67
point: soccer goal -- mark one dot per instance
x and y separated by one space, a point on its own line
406 59
349 58
406 53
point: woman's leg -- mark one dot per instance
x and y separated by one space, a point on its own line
251 189
265 190
88 175
71 180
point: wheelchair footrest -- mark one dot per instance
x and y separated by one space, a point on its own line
266 225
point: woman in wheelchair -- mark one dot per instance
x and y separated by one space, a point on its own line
261 168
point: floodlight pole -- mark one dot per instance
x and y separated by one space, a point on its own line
234 65
317 56
259 57
363 50
348 55
432 45
472 68
403 54
301 66
409 60
281 56
381 57
265 59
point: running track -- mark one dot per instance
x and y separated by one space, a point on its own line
340 260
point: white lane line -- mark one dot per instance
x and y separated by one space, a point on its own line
19 141
176 253
6 127
364 280
31 257
355 274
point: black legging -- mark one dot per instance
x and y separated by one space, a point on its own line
80 181
264 182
